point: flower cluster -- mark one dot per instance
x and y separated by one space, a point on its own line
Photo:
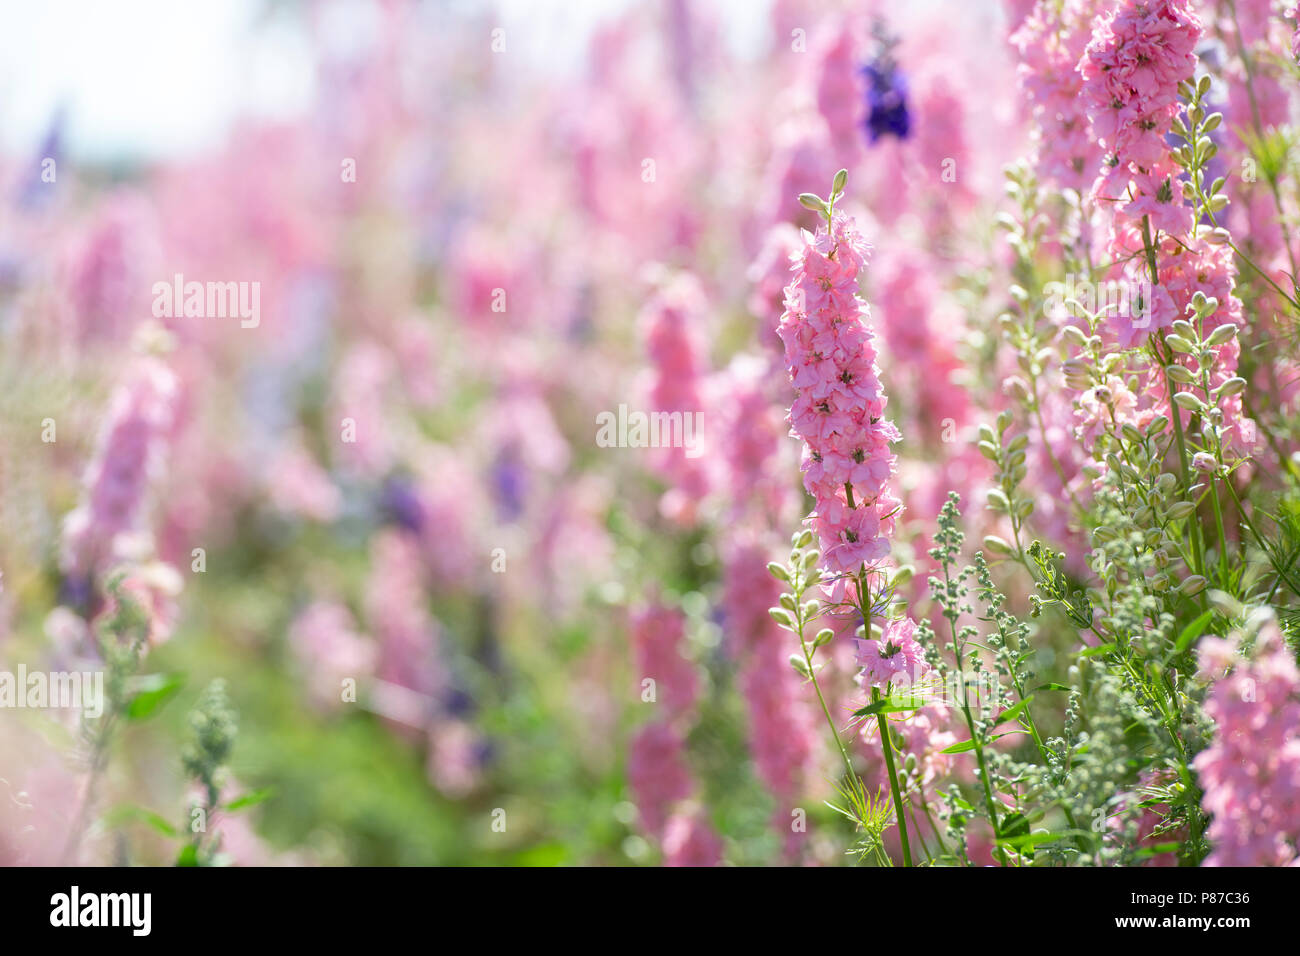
673 341
1050 42
1251 771
137 428
847 463
781 729
657 770
896 658
1131 69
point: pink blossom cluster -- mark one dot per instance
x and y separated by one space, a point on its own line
658 636
782 730
757 440
399 618
674 342
1102 409
840 96
840 404
657 770
1251 771
325 640
1131 69
895 658
130 451
1193 266
690 840
1050 42
657 774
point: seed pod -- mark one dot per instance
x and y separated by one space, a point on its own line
1075 335
902 577
997 545
1231 387
778 571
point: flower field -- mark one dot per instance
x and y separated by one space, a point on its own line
775 434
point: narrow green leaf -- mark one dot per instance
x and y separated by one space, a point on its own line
157 690
130 814
250 799
1011 713
1097 651
1192 631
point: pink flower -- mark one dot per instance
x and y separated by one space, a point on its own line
781 727
398 616
1102 409
1251 771
325 640
840 96
674 341
1131 68
658 636
895 658
129 455
657 774
839 404
689 840
1050 41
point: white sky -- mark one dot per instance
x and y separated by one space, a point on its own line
150 78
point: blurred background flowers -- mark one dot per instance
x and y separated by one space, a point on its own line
385 598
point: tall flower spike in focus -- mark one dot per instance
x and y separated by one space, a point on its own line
839 407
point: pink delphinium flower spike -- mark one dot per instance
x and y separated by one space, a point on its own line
840 403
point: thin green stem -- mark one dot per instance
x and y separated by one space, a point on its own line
886 744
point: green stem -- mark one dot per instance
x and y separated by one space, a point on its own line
886 744
970 723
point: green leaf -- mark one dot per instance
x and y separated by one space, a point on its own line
1034 839
1011 713
893 704
960 748
130 814
157 690
250 799
1192 631
1013 826
1098 651
189 856
967 745
1050 685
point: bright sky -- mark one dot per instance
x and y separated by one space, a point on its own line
145 78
